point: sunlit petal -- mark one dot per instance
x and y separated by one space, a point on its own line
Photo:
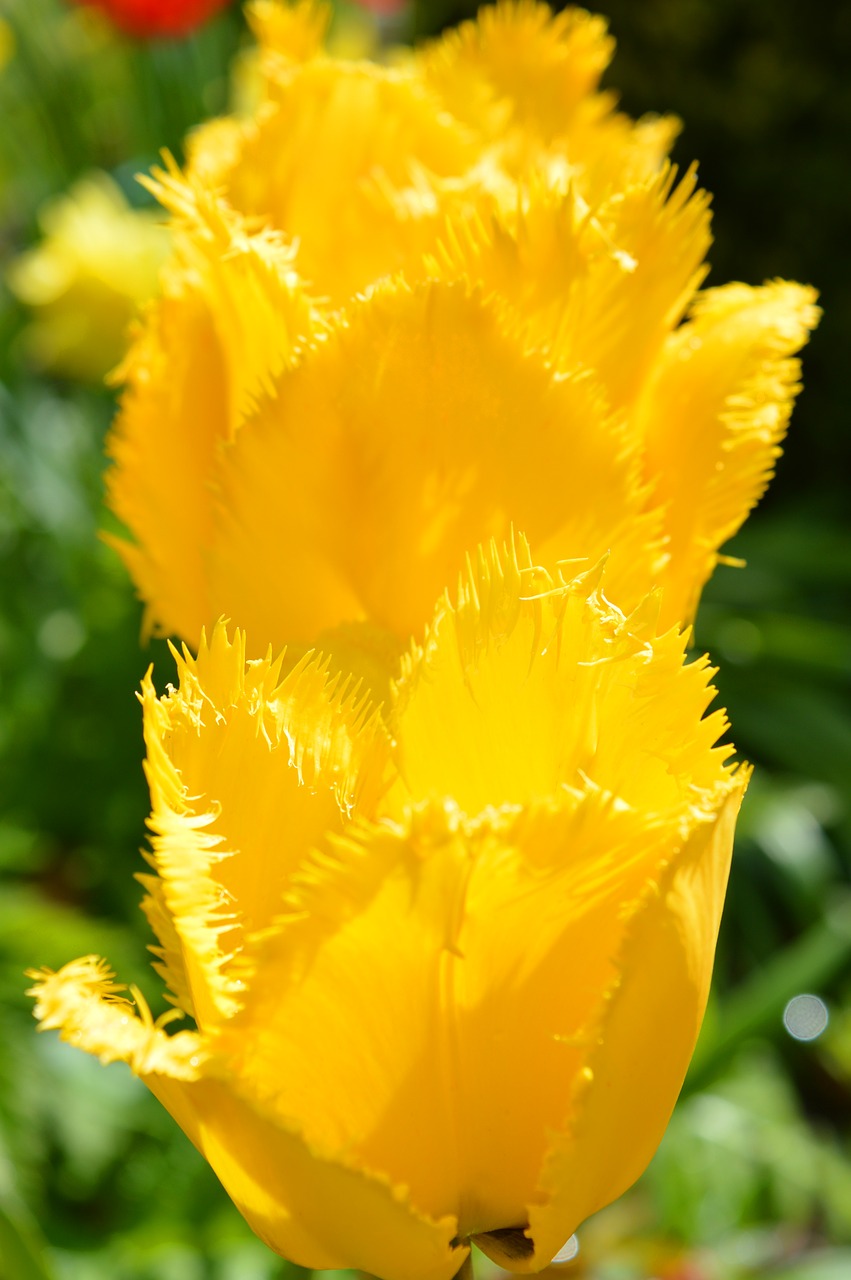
646 1037
320 1213
226 839
714 414
231 315
523 686
419 428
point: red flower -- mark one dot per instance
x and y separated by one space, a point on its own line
382 6
157 17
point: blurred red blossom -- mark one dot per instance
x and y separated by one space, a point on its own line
382 6
143 18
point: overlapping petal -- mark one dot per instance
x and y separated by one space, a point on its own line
713 415
230 317
525 81
644 1039
387 424
421 426
317 756
408 960
323 1212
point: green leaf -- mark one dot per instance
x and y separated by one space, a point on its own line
21 1253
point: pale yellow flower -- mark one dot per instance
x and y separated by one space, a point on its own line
84 282
446 980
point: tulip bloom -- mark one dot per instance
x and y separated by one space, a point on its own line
446 980
151 18
411 307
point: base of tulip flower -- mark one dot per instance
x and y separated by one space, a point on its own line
510 1241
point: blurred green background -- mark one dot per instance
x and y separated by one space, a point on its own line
754 1177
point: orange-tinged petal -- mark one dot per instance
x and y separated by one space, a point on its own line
646 1038
231 315
713 415
419 428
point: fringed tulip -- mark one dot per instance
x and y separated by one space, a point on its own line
445 979
411 307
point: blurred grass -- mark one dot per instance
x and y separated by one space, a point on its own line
753 1178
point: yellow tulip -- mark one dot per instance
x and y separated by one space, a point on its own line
97 263
359 162
446 978
412 307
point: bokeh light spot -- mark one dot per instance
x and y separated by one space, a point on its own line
61 635
805 1017
567 1252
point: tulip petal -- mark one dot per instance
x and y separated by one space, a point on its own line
405 1017
319 1213
647 1035
398 444
419 970
349 994
519 64
289 33
543 919
85 1004
231 315
247 771
523 687
526 79
713 417
324 159
597 288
